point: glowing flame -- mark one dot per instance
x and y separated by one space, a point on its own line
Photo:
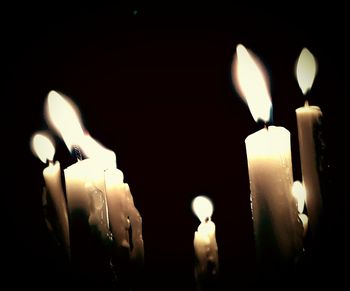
63 115
42 146
299 193
251 83
93 149
306 69
202 207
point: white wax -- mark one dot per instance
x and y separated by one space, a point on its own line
86 194
278 232
206 252
137 252
123 216
309 119
52 177
116 201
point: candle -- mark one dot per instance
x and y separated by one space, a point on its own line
205 246
43 146
299 193
275 217
309 119
90 238
97 193
85 179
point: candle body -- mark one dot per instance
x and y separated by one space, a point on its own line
309 121
90 238
86 194
277 230
52 177
206 254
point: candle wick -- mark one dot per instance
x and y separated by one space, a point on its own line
77 152
306 103
50 162
266 126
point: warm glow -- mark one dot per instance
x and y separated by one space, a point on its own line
42 146
202 207
93 149
251 82
63 115
299 193
306 69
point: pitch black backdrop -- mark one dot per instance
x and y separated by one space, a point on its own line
153 84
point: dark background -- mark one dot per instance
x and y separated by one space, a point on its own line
153 84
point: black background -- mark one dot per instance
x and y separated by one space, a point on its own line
153 84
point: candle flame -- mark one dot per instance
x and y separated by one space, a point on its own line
63 115
93 149
306 69
251 83
42 146
299 193
202 207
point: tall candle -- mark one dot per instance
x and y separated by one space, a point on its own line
275 218
42 145
205 245
96 192
90 238
309 120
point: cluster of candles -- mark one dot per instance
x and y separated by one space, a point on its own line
96 198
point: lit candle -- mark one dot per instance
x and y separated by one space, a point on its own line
299 193
205 246
42 145
96 191
275 216
309 120
85 179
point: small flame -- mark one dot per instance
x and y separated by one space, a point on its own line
202 207
306 69
299 193
63 115
93 149
42 145
251 83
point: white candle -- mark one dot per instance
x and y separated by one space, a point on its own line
309 120
276 226
43 147
275 214
205 245
96 191
85 179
